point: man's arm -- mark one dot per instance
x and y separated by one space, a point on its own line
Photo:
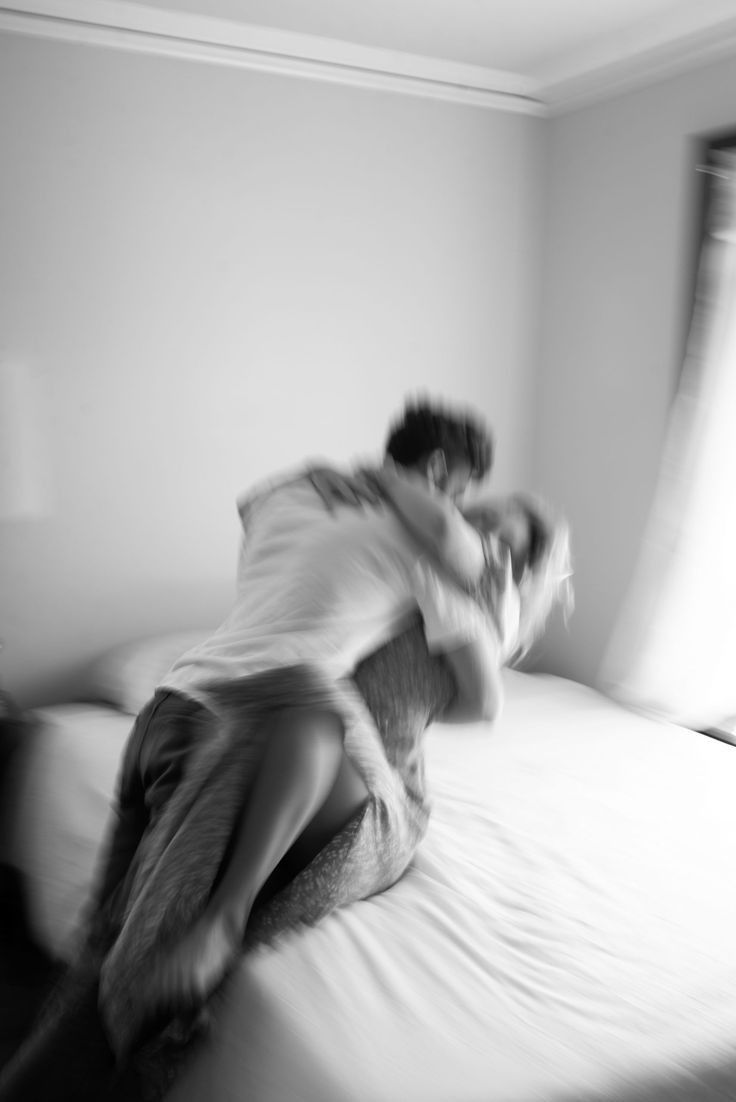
437 523
476 671
455 544
457 628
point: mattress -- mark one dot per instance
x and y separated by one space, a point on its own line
566 931
63 787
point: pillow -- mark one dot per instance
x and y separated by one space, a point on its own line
725 730
127 675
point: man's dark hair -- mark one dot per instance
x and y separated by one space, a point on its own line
424 428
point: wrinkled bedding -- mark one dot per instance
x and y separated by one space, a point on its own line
565 931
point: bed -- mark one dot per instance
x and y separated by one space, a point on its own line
566 931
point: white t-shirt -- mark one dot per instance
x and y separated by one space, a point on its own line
325 588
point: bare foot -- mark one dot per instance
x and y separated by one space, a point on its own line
187 974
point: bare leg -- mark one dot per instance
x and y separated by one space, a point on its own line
304 791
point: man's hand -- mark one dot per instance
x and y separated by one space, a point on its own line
336 488
435 522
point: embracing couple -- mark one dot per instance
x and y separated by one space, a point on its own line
277 772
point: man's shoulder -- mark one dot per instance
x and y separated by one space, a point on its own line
292 486
275 483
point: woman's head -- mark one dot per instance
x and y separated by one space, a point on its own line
538 544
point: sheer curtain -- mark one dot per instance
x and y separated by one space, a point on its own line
673 652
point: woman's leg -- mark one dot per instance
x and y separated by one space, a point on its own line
304 791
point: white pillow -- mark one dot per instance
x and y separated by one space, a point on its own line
725 730
127 675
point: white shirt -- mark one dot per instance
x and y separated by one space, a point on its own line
326 589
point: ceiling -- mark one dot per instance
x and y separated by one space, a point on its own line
552 52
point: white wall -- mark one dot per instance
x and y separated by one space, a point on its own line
621 198
208 274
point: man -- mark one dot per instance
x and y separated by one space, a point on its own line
444 451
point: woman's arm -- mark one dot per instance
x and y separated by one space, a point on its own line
437 523
476 671
457 628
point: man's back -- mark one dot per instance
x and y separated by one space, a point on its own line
315 586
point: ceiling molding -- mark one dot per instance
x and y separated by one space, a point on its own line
608 67
120 24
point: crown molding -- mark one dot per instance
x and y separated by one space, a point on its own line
121 24
609 67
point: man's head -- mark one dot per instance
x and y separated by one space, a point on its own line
449 449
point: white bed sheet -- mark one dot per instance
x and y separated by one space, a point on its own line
63 787
567 931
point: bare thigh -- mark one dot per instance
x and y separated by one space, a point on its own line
348 796
346 799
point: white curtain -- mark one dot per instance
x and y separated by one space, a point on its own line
673 652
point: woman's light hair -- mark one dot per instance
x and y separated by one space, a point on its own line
546 578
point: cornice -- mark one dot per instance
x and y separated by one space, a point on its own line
119 24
